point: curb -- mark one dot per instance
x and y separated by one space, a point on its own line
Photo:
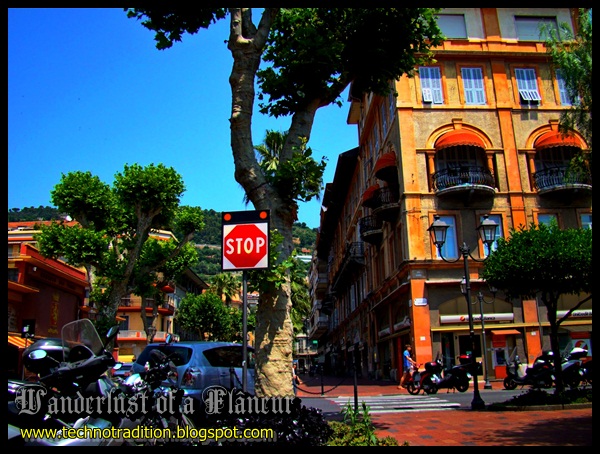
501 407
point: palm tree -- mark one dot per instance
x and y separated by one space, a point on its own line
268 152
226 285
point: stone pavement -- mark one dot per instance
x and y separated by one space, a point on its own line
455 427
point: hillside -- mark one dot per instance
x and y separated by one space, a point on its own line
208 241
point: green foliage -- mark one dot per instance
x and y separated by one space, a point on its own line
541 259
41 213
357 429
205 315
228 285
573 55
112 235
313 53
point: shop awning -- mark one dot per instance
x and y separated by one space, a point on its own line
18 341
556 139
458 137
505 332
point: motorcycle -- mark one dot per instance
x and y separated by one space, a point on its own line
573 372
455 378
540 375
587 371
69 400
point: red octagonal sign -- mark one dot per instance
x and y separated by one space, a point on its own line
245 246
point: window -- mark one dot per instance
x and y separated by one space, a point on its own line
498 220
13 273
532 28
452 25
382 114
392 101
473 86
124 324
546 218
565 98
586 221
527 85
450 247
431 84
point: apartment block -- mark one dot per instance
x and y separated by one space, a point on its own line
472 138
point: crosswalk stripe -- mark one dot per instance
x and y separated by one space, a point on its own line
399 403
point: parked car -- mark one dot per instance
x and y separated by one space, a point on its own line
201 364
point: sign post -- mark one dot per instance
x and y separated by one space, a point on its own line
245 247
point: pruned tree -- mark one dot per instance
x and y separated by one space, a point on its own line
113 236
544 262
302 59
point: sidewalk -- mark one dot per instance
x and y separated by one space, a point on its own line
460 427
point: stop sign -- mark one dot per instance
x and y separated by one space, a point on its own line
245 246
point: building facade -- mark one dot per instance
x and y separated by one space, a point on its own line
473 135
43 294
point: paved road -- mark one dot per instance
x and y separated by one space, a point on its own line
398 403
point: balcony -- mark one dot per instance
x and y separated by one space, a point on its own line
371 229
352 262
319 327
561 180
130 335
387 207
465 181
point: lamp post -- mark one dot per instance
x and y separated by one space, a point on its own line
487 231
480 298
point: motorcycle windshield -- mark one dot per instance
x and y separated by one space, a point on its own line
81 332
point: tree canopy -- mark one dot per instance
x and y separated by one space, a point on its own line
572 55
115 235
544 262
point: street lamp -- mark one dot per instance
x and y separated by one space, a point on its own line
487 231
480 298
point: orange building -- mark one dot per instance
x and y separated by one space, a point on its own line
474 134
43 294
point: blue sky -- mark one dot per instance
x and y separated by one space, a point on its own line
88 90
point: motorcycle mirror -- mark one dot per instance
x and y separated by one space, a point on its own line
112 333
38 354
169 338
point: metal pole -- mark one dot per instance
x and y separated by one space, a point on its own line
487 384
322 384
355 379
477 403
244 332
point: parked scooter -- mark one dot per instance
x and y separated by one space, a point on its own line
73 386
540 375
455 378
587 372
572 368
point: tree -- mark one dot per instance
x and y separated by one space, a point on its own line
205 315
113 236
227 286
572 54
301 59
546 262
